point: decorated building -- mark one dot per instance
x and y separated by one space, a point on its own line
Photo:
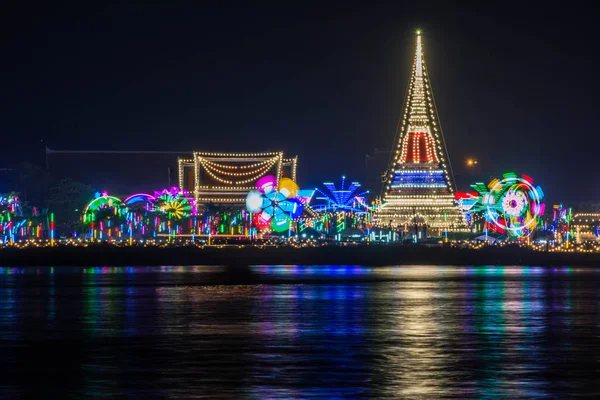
418 193
226 178
585 226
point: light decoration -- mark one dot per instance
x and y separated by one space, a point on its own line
238 174
338 207
274 204
168 214
227 177
305 196
52 228
174 204
346 197
17 225
584 226
560 226
418 190
511 205
140 200
101 206
467 202
104 216
10 204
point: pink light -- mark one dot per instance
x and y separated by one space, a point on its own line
266 184
541 209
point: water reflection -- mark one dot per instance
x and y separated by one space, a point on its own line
300 331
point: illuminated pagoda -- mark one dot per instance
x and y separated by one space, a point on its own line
419 193
226 178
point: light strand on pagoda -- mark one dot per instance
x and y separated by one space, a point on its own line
419 57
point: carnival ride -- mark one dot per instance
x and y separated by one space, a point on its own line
511 205
348 198
273 204
173 204
340 211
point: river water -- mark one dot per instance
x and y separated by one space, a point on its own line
293 332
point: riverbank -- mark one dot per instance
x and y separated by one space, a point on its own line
371 255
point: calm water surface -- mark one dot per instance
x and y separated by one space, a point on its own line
271 332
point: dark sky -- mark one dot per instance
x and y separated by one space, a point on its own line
516 85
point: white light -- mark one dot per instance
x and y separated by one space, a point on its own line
254 201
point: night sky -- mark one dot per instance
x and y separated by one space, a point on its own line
516 86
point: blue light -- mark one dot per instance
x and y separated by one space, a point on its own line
342 198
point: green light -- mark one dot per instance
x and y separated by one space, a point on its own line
418 31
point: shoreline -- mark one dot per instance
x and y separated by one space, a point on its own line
367 255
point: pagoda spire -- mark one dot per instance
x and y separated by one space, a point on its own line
419 55
418 181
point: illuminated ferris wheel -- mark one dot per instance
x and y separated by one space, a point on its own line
512 204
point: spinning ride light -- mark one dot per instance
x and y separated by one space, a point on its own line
174 204
274 205
511 204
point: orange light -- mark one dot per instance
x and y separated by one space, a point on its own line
471 162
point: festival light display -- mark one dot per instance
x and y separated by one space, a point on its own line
339 209
584 226
103 205
174 204
467 202
418 190
274 204
560 226
105 215
170 213
348 198
226 178
511 205
140 201
17 224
